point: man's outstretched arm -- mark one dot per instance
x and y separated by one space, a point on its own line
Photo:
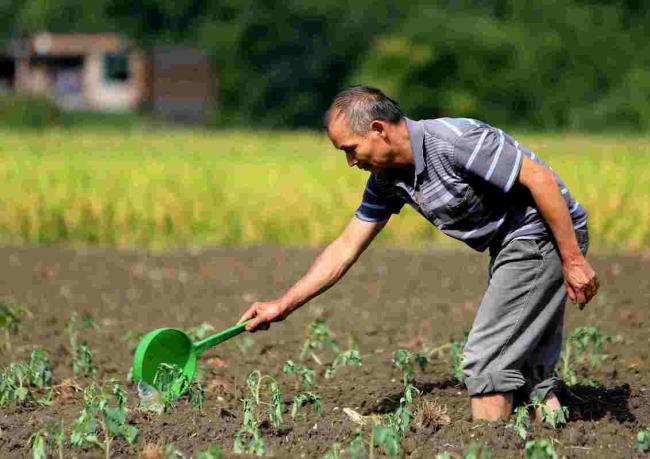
326 270
579 277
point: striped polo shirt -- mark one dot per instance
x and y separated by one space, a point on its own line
464 181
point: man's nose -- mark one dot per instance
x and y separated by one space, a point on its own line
351 159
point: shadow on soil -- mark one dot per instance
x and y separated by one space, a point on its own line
390 403
590 403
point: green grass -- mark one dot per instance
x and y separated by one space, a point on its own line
179 188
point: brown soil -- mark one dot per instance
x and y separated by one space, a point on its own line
391 298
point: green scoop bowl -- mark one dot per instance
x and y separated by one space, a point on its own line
173 346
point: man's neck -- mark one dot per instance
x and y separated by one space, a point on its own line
402 144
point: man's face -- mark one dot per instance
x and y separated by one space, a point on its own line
369 151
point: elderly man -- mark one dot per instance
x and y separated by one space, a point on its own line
477 184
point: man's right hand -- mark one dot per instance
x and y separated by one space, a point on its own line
263 314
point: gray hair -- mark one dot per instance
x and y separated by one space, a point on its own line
361 105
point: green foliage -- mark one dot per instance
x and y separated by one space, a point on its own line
522 422
11 319
38 442
103 418
213 452
583 350
249 440
28 111
20 381
82 356
171 383
388 437
554 418
301 371
477 450
264 392
540 449
350 358
318 336
643 440
456 355
306 397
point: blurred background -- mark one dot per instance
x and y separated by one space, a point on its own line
196 122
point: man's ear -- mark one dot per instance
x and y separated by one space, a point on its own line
379 127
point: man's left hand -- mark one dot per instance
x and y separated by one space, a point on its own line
580 280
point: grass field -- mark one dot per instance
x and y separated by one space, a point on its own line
183 188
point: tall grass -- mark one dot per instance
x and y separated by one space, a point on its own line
161 189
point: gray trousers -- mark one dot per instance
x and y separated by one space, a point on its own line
516 338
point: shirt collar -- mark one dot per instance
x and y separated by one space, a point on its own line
416 134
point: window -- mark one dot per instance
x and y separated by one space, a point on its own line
116 67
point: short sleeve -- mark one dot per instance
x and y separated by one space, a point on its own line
490 154
376 205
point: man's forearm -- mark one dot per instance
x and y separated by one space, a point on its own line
326 270
553 207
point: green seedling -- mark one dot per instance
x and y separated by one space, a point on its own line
388 437
172 452
643 440
213 452
456 354
350 358
540 449
334 452
522 422
303 373
249 441
303 398
265 386
82 356
554 418
103 419
11 320
38 440
172 383
477 450
318 336
583 349
357 448
404 360
20 380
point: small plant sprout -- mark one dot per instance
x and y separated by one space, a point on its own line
249 440
303 398
334 452
20 381
456 355
103 419
262 387
11 320
213 452
82 357
38 440
302 372
404 359
540 449
522 422
583 350
643 440
350 358
171 382
244 343
554 418
477 450
318 335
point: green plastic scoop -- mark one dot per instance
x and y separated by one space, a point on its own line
174 347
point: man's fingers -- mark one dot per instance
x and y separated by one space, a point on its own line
258 323
250 312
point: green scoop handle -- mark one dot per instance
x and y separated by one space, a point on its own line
174 347
201 346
